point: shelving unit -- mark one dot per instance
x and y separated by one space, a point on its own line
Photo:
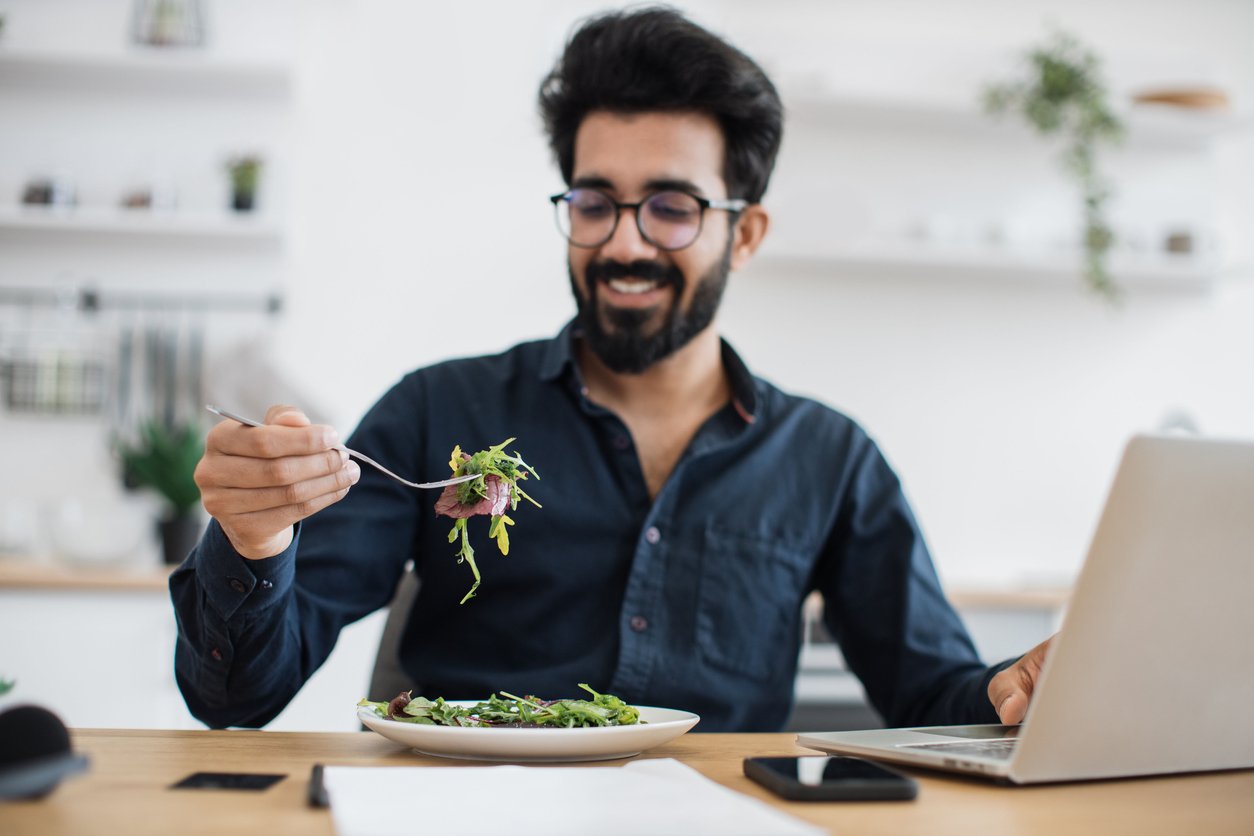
884 165
145 71
909 259
144 85
113 121
1148 125
145 77
132 224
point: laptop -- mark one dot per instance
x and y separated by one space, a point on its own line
1152 671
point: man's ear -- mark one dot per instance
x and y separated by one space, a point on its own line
748 233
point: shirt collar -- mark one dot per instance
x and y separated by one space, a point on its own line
559 356
744 388
559 353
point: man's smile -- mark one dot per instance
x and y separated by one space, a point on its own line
638 285
632 286
633 292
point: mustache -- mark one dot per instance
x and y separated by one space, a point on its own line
599 271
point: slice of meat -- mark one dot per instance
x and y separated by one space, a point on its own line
494 504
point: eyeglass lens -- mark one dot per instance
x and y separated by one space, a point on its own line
668 220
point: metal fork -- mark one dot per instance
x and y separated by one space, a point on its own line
422 485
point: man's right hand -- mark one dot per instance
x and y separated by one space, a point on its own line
257 482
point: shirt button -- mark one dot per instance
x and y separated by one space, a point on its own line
266 584
216 654
237 585
652 536
621 441
639 623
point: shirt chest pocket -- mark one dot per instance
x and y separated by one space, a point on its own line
749 603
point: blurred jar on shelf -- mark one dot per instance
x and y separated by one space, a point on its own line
55 190
154 197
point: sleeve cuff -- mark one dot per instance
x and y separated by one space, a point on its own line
233 584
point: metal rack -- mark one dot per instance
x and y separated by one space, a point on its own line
61 353
90 299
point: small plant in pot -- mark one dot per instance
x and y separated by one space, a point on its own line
164 460
245 173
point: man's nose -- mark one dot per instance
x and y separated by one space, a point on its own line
627 244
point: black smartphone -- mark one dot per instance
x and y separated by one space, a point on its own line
824 778
227 781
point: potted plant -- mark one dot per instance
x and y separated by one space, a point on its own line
1063 95
164 460
245 173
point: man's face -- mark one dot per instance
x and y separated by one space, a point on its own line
638 303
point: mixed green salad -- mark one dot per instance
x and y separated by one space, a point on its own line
492 494
508 711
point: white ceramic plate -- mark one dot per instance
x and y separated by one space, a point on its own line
658 726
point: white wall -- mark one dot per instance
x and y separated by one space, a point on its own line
1002 405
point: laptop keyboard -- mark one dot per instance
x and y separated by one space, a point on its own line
1001 749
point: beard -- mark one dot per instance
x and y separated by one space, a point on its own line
623 341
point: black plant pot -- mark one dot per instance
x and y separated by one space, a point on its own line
242 201
179 536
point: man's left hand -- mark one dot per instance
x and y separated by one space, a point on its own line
1011 690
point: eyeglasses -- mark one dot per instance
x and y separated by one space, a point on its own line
669 220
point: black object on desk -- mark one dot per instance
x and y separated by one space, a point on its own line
317 789
824 778
227 781
35 753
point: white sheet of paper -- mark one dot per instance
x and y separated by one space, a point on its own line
659 796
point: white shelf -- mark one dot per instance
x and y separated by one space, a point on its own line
909 259
137 223
1147 125
151 70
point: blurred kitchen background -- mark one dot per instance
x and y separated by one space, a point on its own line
257 201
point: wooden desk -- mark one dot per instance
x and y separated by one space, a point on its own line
126 792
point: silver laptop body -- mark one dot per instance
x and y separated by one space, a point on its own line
1153 669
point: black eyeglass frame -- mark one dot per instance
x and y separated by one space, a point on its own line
734 205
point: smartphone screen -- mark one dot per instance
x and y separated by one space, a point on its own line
829 778
226 781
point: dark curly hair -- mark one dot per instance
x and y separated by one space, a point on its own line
655 59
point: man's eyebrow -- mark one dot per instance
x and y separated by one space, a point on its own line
594 181
673 186
591 182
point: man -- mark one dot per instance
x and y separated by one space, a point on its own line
689 508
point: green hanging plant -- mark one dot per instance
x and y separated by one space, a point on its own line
1064 96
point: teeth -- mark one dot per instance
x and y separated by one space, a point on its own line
632 287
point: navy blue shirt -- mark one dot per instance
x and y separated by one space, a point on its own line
691 600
